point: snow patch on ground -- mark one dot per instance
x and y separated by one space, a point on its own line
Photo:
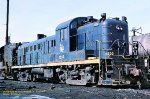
32 97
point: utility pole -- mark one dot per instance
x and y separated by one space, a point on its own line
7 38
7 23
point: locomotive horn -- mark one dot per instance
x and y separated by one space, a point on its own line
103 17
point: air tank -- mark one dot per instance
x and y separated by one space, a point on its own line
37 71
144 44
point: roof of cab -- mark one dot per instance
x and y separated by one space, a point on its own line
67 23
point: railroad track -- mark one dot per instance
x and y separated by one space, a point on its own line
9 88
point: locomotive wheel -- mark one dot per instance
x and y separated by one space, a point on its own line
144 79
34 79
139 84
29 78
15 76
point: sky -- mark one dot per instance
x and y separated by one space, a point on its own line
31 17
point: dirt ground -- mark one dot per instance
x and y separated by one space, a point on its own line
37 90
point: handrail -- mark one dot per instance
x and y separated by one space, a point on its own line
99 56
143 48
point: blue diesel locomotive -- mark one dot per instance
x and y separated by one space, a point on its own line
83 51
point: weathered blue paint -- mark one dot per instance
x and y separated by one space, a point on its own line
86 33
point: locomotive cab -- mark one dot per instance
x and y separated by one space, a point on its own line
68 40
